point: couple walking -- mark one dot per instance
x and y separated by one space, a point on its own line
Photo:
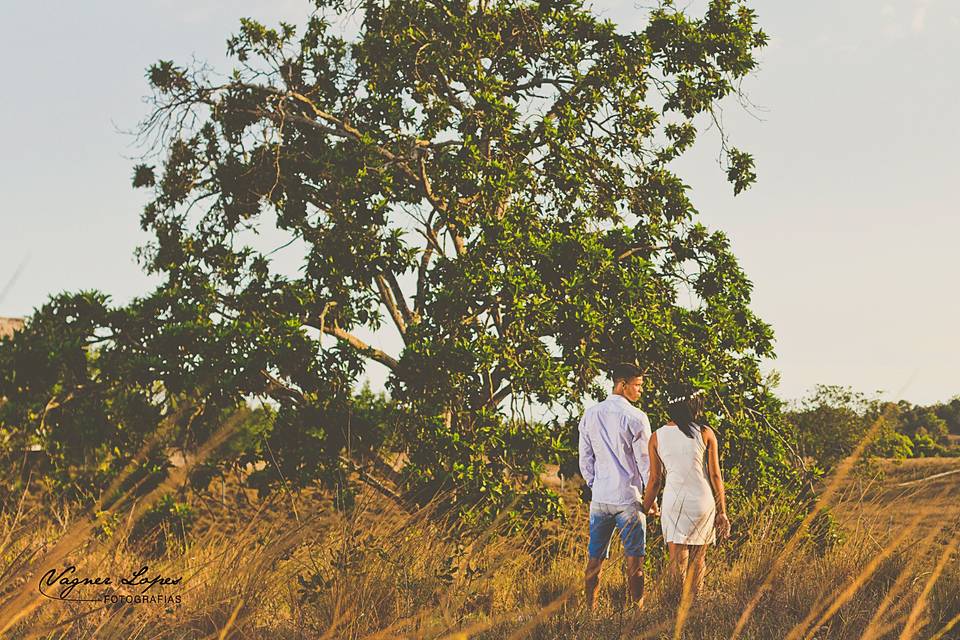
625 466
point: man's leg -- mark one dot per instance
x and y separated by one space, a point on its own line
635 578
601 529
591 580
633 532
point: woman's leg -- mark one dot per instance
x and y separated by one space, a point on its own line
697 566
678 562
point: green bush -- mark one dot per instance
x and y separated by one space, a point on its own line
925 446
163 527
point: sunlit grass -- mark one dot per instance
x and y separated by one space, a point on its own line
254 569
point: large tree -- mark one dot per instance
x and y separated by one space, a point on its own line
490 181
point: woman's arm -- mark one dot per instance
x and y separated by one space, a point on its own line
716 481
656 476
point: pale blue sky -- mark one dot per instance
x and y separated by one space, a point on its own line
849 235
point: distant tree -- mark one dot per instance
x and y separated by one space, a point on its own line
925 445
494 181
833 420
890 443
829 423
949 412
914 418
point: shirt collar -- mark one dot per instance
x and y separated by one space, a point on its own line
616 397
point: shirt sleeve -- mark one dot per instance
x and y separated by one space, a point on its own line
587 457
641 440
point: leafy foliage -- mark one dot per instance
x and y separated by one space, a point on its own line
833 420
489 181
830 423
949 412
80 406
166 523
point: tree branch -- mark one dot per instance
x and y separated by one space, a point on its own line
500 395
344 129
387 297
457 240
280 391
497 317
538 80
629 252
358 344
400 298
349 130
422 282
375 483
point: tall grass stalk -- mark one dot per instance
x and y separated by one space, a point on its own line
375 571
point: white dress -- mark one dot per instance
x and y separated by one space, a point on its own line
688 509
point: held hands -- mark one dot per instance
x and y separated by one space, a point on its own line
654 510
722 525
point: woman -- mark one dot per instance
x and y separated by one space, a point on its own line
694 508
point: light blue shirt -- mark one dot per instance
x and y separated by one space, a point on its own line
614 459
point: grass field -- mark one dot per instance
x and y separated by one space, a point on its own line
292 567
889 499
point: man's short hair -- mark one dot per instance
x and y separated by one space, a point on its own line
625 371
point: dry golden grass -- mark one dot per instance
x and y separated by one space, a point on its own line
262 569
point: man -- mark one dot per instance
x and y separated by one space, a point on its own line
615 463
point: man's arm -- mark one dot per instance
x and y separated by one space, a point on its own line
641 441
587 457
656 479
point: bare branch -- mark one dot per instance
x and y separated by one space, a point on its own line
400 298
387 298
374 482
344 129
629 252
500 395
422 282
458 242
375 354
280 391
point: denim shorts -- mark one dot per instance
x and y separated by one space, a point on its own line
628 518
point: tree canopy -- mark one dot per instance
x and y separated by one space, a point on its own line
492 182
833 420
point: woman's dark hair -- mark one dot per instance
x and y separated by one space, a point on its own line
685 412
